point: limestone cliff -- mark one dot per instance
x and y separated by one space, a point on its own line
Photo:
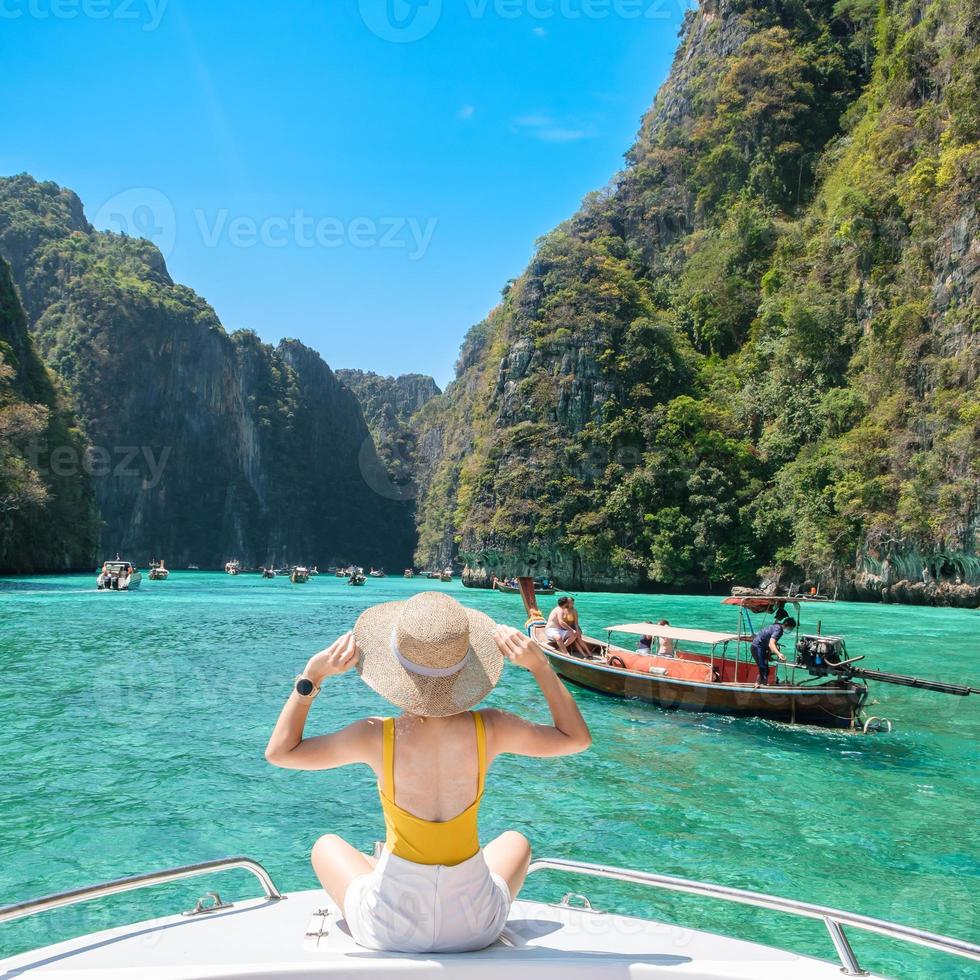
47 511
756 349
389 406
207 446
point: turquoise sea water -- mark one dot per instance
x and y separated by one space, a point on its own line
134 727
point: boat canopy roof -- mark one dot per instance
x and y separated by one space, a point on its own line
673 633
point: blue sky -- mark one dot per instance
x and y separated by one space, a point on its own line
364 175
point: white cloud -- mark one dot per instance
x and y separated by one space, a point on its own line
551 130
559 134
466 112
533 122
539 32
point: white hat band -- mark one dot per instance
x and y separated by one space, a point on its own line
420 669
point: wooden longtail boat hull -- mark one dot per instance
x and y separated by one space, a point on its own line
832 704
703 683
515 590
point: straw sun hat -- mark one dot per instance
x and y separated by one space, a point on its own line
428 655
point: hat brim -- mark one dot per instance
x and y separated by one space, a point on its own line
432 697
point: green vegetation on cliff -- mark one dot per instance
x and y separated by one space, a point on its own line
759 346
47 516
389 405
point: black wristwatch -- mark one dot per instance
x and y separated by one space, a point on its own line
305 688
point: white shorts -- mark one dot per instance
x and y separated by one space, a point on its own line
554 633
405 907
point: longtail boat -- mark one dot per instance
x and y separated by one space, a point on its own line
502 585
712 671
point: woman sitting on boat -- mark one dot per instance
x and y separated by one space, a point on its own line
435 660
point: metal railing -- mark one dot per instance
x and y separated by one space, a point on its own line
31 907
833 919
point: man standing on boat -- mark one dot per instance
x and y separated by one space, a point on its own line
765 643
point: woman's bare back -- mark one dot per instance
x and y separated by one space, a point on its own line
436 765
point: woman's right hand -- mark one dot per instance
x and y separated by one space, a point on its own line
339 657
519 648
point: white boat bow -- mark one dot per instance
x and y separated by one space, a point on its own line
301 935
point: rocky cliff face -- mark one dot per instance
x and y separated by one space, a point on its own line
47 510
756 349
205 446
389 406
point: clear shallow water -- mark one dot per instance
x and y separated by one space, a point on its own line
134 729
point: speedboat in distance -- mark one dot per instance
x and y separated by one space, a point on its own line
118 576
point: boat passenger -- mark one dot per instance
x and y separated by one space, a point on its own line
665 646
433 888
765 643
577 640
558 628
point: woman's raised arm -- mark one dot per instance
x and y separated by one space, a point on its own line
357 742
508 733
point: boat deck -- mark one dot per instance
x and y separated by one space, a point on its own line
300 937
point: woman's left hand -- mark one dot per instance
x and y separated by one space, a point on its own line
339 657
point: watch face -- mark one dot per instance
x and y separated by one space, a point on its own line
304 686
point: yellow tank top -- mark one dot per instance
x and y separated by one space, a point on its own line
445 842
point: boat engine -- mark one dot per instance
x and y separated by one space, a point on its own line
820 654
826 656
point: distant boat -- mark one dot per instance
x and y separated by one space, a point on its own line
377 573
511 586
233 567
409 573
268 573
433 574
446 575
158 573
193 568
299 575
341 573
356 579
118 576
